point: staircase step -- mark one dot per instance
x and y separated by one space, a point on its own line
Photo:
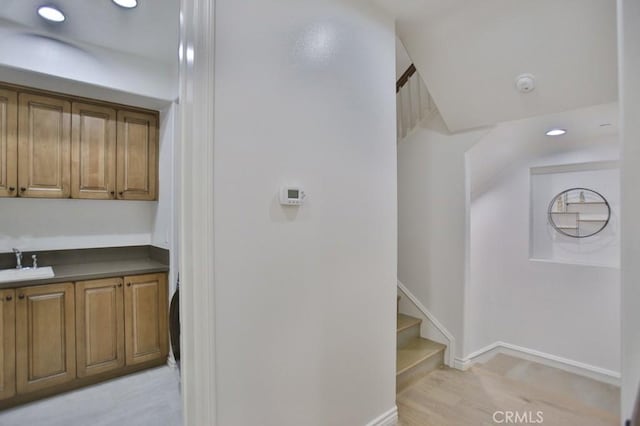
417 359
405 321
418 350
407 329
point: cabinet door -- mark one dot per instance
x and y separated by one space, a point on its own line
7 344
45 336
44 142
145 318
137 159
99 326
93 152
8 143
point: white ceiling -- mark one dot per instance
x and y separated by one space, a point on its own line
509 145
150 30
469 53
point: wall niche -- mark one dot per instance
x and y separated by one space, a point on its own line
574 213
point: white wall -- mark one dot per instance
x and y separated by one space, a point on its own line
555 307
92 65
46 224
32 224
163 226
432 203
506 297
629 69
305 297
403 61
38 224
164 231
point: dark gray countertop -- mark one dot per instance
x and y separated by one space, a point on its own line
95 270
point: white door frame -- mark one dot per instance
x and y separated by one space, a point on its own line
197 289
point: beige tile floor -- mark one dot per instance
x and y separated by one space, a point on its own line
448 397
148 398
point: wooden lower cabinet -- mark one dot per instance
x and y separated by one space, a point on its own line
7 344
45 336
99 326
59 337
145 318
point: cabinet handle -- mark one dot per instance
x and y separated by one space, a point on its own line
120 285
121 193
9 298
22 189
128 284
11 189
21 296
113 193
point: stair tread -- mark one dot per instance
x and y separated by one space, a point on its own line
415 352
406 321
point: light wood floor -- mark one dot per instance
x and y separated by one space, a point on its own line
445 397
448 397
148 398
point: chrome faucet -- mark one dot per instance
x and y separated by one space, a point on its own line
18 258
34 258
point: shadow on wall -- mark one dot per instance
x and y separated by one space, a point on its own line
94 65
51 55
434 123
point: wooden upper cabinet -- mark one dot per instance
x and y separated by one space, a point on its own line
99 326
58 146
8 143
44 145
7 344
45 336
93 152
145 317
137 155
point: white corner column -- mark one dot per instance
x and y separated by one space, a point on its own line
197 295
629 84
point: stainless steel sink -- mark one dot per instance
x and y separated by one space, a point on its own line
26 274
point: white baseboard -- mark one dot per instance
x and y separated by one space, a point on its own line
451 341
572 366
462 364
389 418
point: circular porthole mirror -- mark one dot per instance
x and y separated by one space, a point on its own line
579 212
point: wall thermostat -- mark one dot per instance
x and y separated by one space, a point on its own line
291 196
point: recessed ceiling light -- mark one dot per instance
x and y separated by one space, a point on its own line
50 13
556 132
128 4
